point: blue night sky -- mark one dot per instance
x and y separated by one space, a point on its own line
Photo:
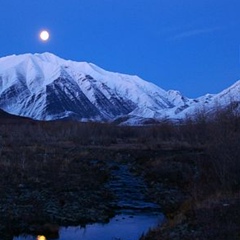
188 45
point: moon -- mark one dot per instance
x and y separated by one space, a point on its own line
44 35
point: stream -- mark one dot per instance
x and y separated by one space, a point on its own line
134 217
121 227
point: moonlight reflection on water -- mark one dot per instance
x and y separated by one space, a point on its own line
123 226
41 238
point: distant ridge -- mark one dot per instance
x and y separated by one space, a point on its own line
5 115
6 118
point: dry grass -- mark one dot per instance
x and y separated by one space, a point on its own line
189 166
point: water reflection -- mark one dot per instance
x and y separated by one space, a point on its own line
41 238
123 226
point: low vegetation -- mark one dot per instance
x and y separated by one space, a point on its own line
192 170
207 178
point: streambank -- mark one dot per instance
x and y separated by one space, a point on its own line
72 192
135 214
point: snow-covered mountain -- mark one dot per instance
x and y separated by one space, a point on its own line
46 87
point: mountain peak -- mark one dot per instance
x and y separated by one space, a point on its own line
48 57
44 86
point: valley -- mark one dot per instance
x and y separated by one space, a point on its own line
60 173
79 144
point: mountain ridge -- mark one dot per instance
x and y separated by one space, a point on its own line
47 87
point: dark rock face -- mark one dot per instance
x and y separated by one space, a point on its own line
63 98
110 107
63 95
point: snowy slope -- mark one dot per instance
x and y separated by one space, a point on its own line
46 87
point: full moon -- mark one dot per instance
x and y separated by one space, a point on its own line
44 35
